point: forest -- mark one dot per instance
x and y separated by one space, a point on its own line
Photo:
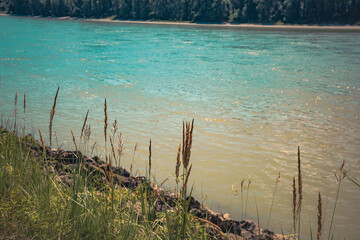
201 11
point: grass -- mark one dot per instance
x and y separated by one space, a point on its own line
33 204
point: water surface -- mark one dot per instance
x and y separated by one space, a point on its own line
254 94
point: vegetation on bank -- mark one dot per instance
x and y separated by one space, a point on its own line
35 203
233 11
51 193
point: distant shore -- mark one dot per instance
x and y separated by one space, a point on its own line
220 25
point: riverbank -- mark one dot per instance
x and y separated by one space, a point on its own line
77 193
286 27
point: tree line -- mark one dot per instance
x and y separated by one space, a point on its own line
233 11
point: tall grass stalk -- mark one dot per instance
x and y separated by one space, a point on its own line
41 139
121 148
84 124
273 197
339 176
133 158
24 116
242 197
15 111
52 114
247 194
112 149
150 159
294 201
177 167
300 192
74 141
16 98
105 121
319 218
353 181
257 214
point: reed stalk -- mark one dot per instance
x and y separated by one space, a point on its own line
242 197
16 98
24 117
273 197
319 216
52 114
300 192
178 164
133 158
112 148
187 143
111 171
93 148
150 159
257 216
73 136
184 187
24 103
114 128
87 134
247 194
57 139
42 143
105 120
105 126
15 110
42 139
294 203
339 176
83 127
120 147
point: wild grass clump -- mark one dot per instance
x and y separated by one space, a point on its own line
33 204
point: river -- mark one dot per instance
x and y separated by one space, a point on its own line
254 94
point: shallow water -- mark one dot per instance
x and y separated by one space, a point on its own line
254 94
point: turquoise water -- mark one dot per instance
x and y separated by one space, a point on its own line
254 94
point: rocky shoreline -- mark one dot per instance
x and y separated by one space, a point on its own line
62 164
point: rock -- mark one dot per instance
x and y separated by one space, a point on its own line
121 171
65 179
218 225
232 236
87 160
